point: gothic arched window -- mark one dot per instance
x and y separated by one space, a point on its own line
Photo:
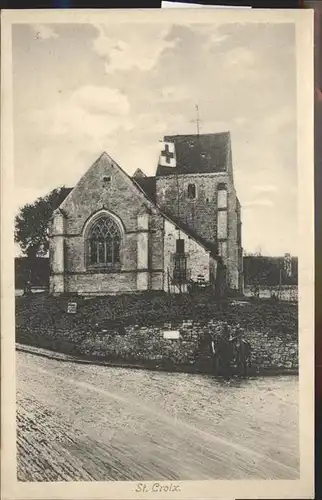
104 240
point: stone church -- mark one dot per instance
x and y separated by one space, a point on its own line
120 234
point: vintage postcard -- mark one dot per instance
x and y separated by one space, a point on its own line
157 277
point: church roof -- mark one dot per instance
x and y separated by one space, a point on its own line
138 174
204 153
148 185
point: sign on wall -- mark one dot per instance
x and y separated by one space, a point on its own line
72 307
171 334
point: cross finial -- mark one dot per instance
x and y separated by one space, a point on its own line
197 120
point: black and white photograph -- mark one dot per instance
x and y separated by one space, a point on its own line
157 254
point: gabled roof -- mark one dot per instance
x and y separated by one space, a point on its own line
204 153
138 174
105 158
147 186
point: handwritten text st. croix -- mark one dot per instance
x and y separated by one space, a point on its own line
157 488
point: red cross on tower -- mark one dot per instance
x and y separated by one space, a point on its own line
167 153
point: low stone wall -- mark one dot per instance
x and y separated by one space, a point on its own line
147 345
271 331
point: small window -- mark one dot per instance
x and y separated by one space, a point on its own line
180 246
106 181
191 191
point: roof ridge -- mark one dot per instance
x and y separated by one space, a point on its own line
225 132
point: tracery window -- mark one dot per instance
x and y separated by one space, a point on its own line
104 240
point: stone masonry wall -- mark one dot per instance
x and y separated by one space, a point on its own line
78 209
148 345
200 214
130 328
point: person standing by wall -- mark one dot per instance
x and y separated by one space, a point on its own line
222 353
241 349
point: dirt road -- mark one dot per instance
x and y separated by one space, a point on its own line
78 422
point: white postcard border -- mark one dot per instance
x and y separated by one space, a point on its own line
302 488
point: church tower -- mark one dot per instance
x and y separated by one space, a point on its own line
195 187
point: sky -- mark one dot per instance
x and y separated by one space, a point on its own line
81 89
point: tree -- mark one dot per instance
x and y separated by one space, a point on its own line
31 223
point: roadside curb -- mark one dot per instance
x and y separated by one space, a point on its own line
57 356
